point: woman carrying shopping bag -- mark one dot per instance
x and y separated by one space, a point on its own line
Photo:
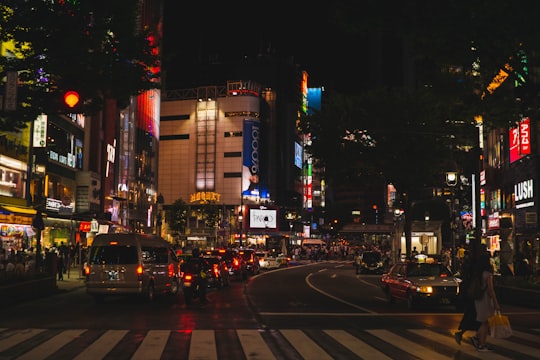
487 304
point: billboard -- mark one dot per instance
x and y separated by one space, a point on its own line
263 218
298 155
251 157
520 140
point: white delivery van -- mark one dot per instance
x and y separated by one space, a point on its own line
131 264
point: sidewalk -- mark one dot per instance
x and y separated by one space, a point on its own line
72 280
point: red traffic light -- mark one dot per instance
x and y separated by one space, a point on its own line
71 98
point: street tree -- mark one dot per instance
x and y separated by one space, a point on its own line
176 216
97 48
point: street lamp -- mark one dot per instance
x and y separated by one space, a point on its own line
451 180
290 218
240 218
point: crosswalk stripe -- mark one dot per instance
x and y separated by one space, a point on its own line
407 345
465 347
254 346
152 346
304 345
203 345
49 347
101 347
524 349
18 338
257 344
355 345
526 336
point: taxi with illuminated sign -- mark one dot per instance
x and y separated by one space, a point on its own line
424 281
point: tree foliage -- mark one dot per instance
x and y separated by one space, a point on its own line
95 47
410 135
176 216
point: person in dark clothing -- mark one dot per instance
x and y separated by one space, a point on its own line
197 265
60 264
468 320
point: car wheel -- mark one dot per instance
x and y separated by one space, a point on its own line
410 301
175 287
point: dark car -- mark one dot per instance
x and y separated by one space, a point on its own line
235 263
421 282
252 261
218 273
371 263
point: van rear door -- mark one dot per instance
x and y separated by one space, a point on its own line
113 265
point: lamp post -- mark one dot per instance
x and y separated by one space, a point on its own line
240 218
451 180
290 218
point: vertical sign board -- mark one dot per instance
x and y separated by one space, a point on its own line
520 140
251 157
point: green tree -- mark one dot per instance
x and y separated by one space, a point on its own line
210 211
176 216
95 47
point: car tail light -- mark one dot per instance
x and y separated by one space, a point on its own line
86 270
170 270
139 272
188 277
216 270
236 263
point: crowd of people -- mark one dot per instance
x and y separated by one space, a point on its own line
55 261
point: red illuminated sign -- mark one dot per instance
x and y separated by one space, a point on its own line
520 140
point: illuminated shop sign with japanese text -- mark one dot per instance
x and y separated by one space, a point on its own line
520 140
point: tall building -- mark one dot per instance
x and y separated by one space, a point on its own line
215 148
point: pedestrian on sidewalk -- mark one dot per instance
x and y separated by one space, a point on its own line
60 264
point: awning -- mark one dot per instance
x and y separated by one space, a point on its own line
19 209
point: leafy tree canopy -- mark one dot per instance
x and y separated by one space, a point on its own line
176 216
411 135
95 47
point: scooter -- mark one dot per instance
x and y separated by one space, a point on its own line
191 287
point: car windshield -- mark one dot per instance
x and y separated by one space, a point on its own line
426 269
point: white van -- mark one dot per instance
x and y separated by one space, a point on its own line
131 264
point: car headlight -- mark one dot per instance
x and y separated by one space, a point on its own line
424 289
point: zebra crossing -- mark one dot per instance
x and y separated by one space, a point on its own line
256 344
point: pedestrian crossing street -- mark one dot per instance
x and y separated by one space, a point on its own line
257 344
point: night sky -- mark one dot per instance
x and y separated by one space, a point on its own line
227 33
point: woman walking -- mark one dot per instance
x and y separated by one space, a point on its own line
487 304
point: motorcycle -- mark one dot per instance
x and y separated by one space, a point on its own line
191 287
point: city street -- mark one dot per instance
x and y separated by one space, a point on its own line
315 311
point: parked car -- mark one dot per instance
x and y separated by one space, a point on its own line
218 273
428 282
371 263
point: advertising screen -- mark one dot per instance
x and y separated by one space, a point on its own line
298 156
251 157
